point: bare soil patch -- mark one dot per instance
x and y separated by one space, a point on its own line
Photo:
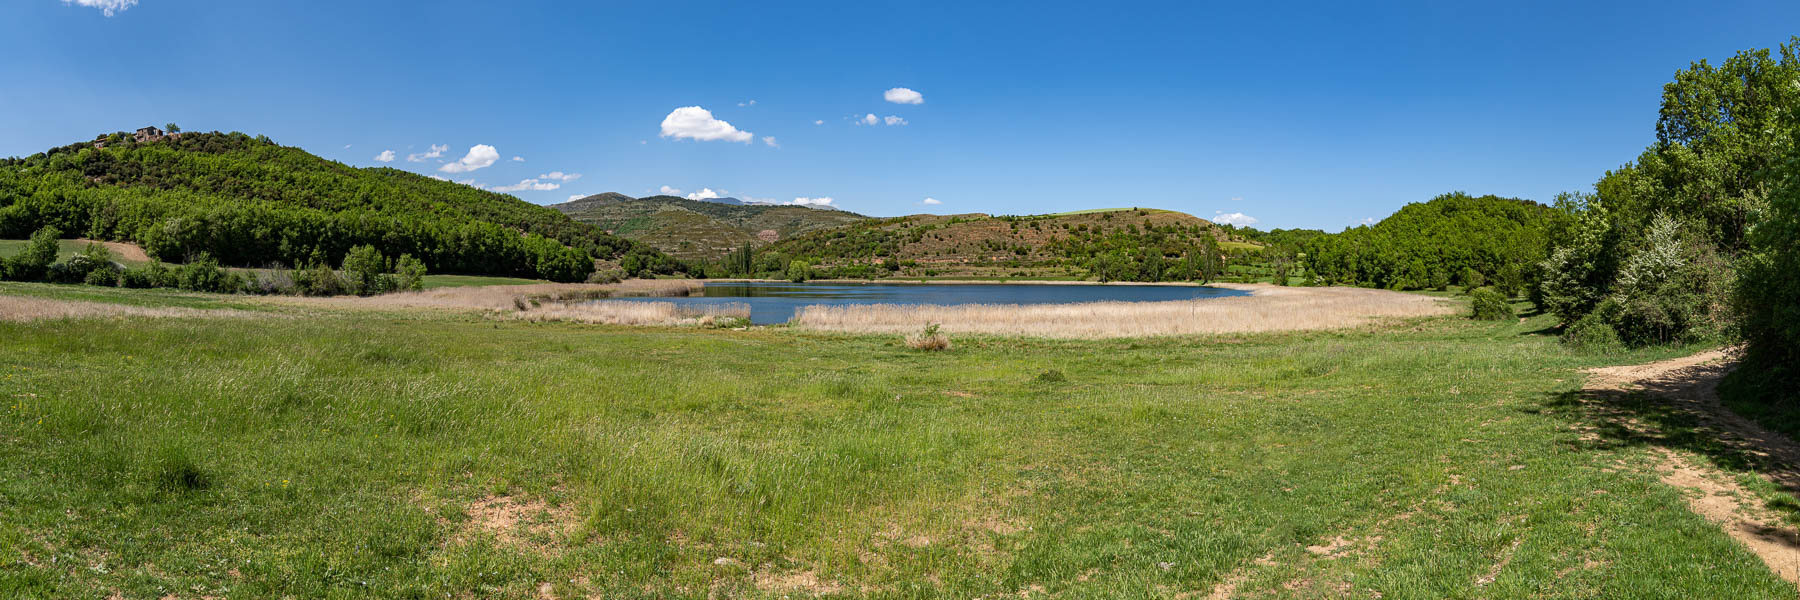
123 251
528 523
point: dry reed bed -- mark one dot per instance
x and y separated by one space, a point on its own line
552 302
20 309
1268 308
504 297
637 313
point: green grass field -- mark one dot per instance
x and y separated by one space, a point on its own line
361 454
444 281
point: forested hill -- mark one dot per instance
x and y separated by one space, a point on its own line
700 230
248 201
1136 244
1452 238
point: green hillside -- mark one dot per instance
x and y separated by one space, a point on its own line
1432 244
248 201
698 230
1111 244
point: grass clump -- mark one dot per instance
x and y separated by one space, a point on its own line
929 339
1489 305
175 470
1052 376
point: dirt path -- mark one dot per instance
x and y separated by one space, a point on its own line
1689 385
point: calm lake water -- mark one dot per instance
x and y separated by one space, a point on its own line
772 303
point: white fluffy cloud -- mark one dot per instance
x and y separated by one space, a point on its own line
825 201
1236 218
480 156
669 191
436 151
574 197
518 159
698 123
705 194
747 103
528 184
902 95
385 156
471 183
932 202
770 140
438 177
107 7
819 122
871 119
560 176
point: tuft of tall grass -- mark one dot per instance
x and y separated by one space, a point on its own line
929 339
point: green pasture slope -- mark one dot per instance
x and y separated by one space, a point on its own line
324 454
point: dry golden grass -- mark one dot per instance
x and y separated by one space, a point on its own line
503 297
19 309
636 313
550 302
1269 308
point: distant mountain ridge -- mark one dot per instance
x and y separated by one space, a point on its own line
700 229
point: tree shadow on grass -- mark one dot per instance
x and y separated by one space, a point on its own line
1678 409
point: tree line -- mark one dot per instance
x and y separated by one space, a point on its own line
249 202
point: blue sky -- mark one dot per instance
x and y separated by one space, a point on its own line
1295 114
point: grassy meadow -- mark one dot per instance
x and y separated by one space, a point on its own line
318 452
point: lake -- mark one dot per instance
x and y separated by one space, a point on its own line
776 302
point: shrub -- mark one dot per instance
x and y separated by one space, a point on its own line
1470 279
1489 305
1592 334
106 274
411 273
1439 280
77 268
33 263
799 271
928 339
318 280
203 274
152 275
366 270
606 276
1673 289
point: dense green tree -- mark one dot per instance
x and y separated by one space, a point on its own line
1650 253
246 201
1424 243
1768 294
